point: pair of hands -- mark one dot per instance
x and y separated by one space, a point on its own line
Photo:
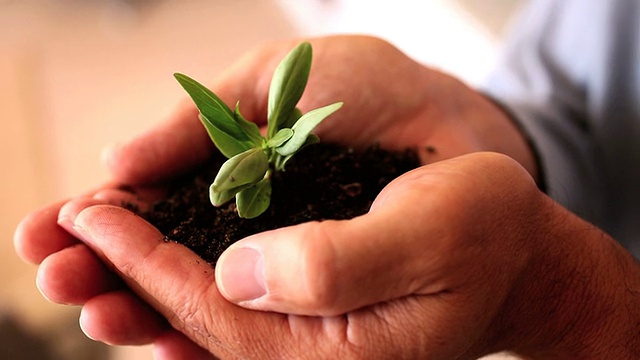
445 265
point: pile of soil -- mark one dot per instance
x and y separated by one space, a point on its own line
323 181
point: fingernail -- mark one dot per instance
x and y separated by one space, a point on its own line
84 320
107 152
65 216
240 274
69 212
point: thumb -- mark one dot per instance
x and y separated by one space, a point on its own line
332 267
170 148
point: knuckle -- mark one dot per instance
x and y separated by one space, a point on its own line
192 314
321 277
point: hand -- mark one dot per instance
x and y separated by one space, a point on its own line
71 274
389 99
459 276
401 104
394 281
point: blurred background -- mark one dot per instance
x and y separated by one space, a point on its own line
76 75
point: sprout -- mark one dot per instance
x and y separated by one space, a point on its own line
252 158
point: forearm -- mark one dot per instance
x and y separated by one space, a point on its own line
580 297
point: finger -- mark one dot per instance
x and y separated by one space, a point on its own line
159 154
74 275
323 269
38 235
121 318
173 345
138 200
70 209
180 286
401 247
171 278
332 267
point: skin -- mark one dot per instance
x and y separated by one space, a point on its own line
482 262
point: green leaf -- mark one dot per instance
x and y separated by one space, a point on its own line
303 127
249 127
295 115
219 120
218 198
254 200
222 197
227 144
287 86
281 161
280 137
246 174
245 168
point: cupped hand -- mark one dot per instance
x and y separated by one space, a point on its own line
425 274
70 273
389 99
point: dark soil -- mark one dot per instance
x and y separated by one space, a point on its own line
323 181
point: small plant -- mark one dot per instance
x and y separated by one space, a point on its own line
252 158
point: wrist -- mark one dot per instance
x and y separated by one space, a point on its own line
525 148
579 295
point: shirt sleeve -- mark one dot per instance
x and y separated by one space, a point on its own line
540 80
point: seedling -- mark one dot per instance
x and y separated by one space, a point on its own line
252 158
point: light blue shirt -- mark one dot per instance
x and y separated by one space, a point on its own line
571 76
